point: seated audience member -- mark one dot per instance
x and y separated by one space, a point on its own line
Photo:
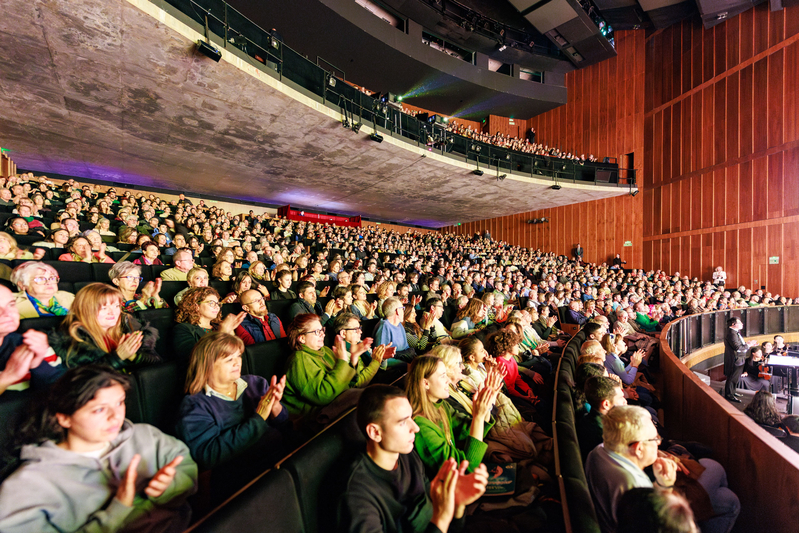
630 444
635 340
86 468
196 277
348 327
504 348
10 251
386 488
307 304
418 336
97 331
38 291
573 314
226 415
81 251
780 348
763 409
542 323
197 314
127 276
19 226
445 433
151 255
360 305
510 438
183 261
127 235
614 346
601 394
390 330
282 289
317 376
26 360
791 425
257 270
96 241
104 227
58 238
259 325
221 271
648 510
241 284
469 319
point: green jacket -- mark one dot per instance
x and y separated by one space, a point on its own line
434 448
314 379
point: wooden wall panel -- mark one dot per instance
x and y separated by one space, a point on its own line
730 166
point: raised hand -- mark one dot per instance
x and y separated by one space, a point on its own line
38 343
637 357
442 494
325 291
665 471
231 322
17 367
469 487
126 491
340 348
129 345
163 478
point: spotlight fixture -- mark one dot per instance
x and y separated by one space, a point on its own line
345 123
356 127
477 172
503 47
474 147
507 157
274 42
633 193
207 49
331 81
556 187
376 138
502 177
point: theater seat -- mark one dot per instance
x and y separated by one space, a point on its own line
12 408
160 389
267 359
267 504
72 271
320 469
281 309
163 320
43 323
169 289
100 272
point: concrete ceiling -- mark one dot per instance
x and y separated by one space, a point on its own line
101 89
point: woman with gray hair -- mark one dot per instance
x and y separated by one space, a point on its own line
38 291
127 277
96 240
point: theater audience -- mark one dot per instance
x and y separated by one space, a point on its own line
197 314
386 486
86 468
97 331
81 251
127 276
445 433
225 415
763 409
150 254
38 291
183 261
10 251
196 277
259 325
418 336
645 510
391 331
601 395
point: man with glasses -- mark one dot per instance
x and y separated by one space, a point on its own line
630 444
184 261
259 325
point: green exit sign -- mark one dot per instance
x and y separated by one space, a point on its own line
628 243
774 260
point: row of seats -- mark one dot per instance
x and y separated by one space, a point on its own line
576 498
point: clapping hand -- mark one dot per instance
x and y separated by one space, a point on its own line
129 345
163 478
231 322
269 405
665 471
17 367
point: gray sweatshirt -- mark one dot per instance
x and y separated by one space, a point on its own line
59 490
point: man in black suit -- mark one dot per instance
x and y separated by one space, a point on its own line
735 350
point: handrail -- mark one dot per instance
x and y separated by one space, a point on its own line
228 26
694 411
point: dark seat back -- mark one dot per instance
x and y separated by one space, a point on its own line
160 389
319 469
267 359
163 320
273 493
281 309
72 271
42 323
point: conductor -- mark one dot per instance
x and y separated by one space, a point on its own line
735 350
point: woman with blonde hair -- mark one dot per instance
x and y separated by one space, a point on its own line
9 249
360 306
469 319
97 331
222 270
445 433
384 291
226 415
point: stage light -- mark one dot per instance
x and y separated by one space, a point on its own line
209 50
633 193
376 138
331 81
356 127
502 47
399 98
502 177
345 123
556 187
477 172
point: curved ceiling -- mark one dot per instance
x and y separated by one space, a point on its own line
102 89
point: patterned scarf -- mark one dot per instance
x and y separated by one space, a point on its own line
52 309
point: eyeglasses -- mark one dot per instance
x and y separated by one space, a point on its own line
359 328
42 280
212 303
259 300
657 440
318 332
138 278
